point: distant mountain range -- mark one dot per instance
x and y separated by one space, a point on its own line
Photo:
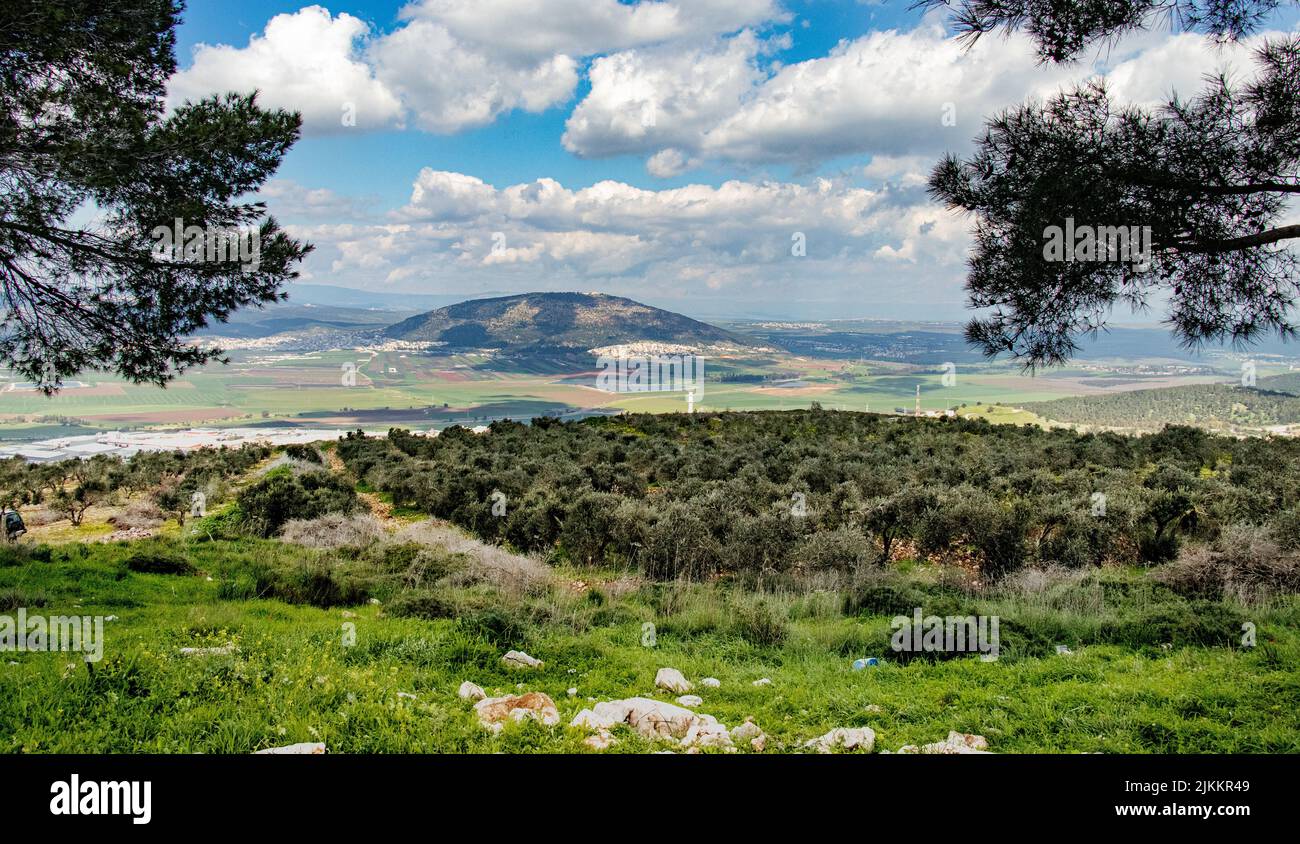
321 308
533 324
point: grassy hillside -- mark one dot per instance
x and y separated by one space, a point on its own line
1148 671
331 598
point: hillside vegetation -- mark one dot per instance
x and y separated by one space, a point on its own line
1215 406
343 594
774 494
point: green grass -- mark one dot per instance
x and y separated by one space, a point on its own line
292 679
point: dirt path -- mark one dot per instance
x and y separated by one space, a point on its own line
381 509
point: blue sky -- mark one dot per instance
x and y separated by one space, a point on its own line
381 163
678 152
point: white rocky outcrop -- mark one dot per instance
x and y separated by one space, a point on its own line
656 719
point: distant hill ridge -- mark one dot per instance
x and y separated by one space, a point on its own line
1214 406
549 323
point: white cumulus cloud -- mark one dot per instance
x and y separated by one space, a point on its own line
448 65
306 61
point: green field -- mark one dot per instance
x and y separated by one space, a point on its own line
418 390
292 678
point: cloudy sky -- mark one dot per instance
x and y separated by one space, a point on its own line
718 157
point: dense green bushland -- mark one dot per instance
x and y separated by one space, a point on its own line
169 478
283 494
177 483
783 494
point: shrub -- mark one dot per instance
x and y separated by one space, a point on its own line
322 582
881 592
416 565
225 524
496 625
589 528
1032 582
244 586
1285 529
1158 547
1197 623
141 514
479 562
334 530
317 584
1243 563
15 554
282 496
305 453
843 548
12 599
423 603
158 562
760 621
680 544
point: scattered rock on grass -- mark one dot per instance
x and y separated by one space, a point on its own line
223 650
956 743
600 741
690 700
750 733
763 682
519 659
533 705
707 732
470 691
711 682
656 719
672 680
306 748
849 738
